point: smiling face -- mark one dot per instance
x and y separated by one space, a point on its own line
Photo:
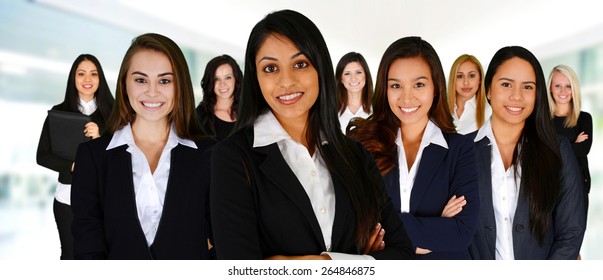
224 82
468 80
150 86
287 79
353 77
513 92
410 91
561 88
86 80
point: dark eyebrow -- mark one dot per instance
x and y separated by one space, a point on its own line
274 59
139 73
511 80
420 78
160 75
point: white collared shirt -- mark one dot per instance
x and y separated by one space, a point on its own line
311 172
432 134
149 188
505 193
87 108
62 192
347 116
467 122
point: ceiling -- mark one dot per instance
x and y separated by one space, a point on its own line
478 27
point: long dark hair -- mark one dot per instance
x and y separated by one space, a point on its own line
341 156
378 132
342 93
537 149
209 95
183 114
104 99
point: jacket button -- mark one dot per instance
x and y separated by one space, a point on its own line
519 228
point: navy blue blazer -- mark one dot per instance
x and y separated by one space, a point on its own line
442 173
260 209
566 231
106 225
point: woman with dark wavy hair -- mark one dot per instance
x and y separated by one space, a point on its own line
287 184
530 185
87 93
221 84
429 169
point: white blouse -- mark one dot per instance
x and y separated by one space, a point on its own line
432 134
149 188
505 194
347 116
311 172
467 123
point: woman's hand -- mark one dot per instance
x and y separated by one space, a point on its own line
91 130
375 242
304 257
454 206
581 137
421 251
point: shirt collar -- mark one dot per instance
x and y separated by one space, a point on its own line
485 131
432 134
87 107
267 130
124 136
472 102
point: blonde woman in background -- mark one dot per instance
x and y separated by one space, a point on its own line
564 102
466 94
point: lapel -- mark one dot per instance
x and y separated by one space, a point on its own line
392 185
343 208
483 153
277 171
432 158
119 166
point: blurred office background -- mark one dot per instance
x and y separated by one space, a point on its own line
39 39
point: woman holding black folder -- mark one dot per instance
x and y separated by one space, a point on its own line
141 190
87 93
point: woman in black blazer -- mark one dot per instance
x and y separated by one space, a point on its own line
532 205
287 184
87 93
140 191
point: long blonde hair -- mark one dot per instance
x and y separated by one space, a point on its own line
480 95
572 118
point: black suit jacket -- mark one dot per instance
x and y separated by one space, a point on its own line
46 158
564 237
260 209
105 221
